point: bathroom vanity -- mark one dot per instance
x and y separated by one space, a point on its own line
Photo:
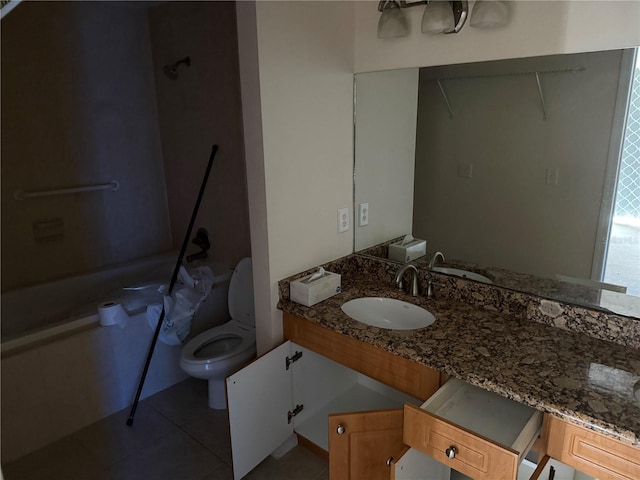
541 382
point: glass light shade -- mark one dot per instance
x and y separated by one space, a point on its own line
437 17
490 14
392 22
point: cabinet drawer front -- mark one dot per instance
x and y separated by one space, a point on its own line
475 456
397 372
591 452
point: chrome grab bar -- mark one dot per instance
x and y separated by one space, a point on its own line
21 194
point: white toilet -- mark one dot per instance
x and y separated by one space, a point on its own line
219 351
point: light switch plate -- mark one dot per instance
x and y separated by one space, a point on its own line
465 170
343 220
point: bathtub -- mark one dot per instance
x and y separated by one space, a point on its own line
40 307
62 371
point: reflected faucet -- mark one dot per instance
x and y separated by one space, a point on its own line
432 263
415 289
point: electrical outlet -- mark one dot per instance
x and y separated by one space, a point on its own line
343 220
364 214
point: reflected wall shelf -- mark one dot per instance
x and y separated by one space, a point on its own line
536 74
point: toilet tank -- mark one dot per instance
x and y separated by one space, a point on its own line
214 309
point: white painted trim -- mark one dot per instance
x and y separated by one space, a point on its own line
607 204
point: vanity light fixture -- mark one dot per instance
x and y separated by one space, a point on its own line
392 23
440 16
490 14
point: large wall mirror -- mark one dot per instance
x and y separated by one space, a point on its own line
510 166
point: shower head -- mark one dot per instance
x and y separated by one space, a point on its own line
171 71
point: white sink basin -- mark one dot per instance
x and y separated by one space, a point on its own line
462 273
388 313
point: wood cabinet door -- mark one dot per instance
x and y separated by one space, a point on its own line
360 444
590 452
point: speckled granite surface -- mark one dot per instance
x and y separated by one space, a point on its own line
583 379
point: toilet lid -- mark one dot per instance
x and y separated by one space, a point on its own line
241 293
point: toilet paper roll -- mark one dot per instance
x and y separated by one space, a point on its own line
112 313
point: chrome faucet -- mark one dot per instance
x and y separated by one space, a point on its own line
415 289
432 263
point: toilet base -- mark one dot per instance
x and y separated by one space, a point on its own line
217 394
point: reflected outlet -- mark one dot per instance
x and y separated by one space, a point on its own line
343 220
364 214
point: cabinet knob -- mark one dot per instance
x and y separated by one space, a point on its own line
389 460
451 451
340 429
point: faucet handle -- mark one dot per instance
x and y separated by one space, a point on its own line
430 289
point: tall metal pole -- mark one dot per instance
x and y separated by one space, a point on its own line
174 276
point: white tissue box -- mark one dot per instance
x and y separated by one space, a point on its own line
309 292
416 248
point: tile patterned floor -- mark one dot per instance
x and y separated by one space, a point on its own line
175 436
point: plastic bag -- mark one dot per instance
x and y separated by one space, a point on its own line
188 293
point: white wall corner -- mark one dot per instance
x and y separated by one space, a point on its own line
298 139
254 159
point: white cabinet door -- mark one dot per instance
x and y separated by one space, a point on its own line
259 398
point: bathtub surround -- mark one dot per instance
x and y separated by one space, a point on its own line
110 54
101 109
84 113
200 107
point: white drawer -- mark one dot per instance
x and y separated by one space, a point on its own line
478 433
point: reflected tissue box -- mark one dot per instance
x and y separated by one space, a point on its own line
407 249
315 288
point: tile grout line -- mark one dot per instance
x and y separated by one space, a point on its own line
191 436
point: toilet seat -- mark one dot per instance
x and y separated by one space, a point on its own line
231 329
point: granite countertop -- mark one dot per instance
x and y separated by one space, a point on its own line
581 379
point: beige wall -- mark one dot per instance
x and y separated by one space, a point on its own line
78 107
507 215
305 67
385 136
200 108
80 78
536 28
296 61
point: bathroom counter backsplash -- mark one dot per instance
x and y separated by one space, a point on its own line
581 371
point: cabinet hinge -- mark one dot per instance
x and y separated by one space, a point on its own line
295 412
295 358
